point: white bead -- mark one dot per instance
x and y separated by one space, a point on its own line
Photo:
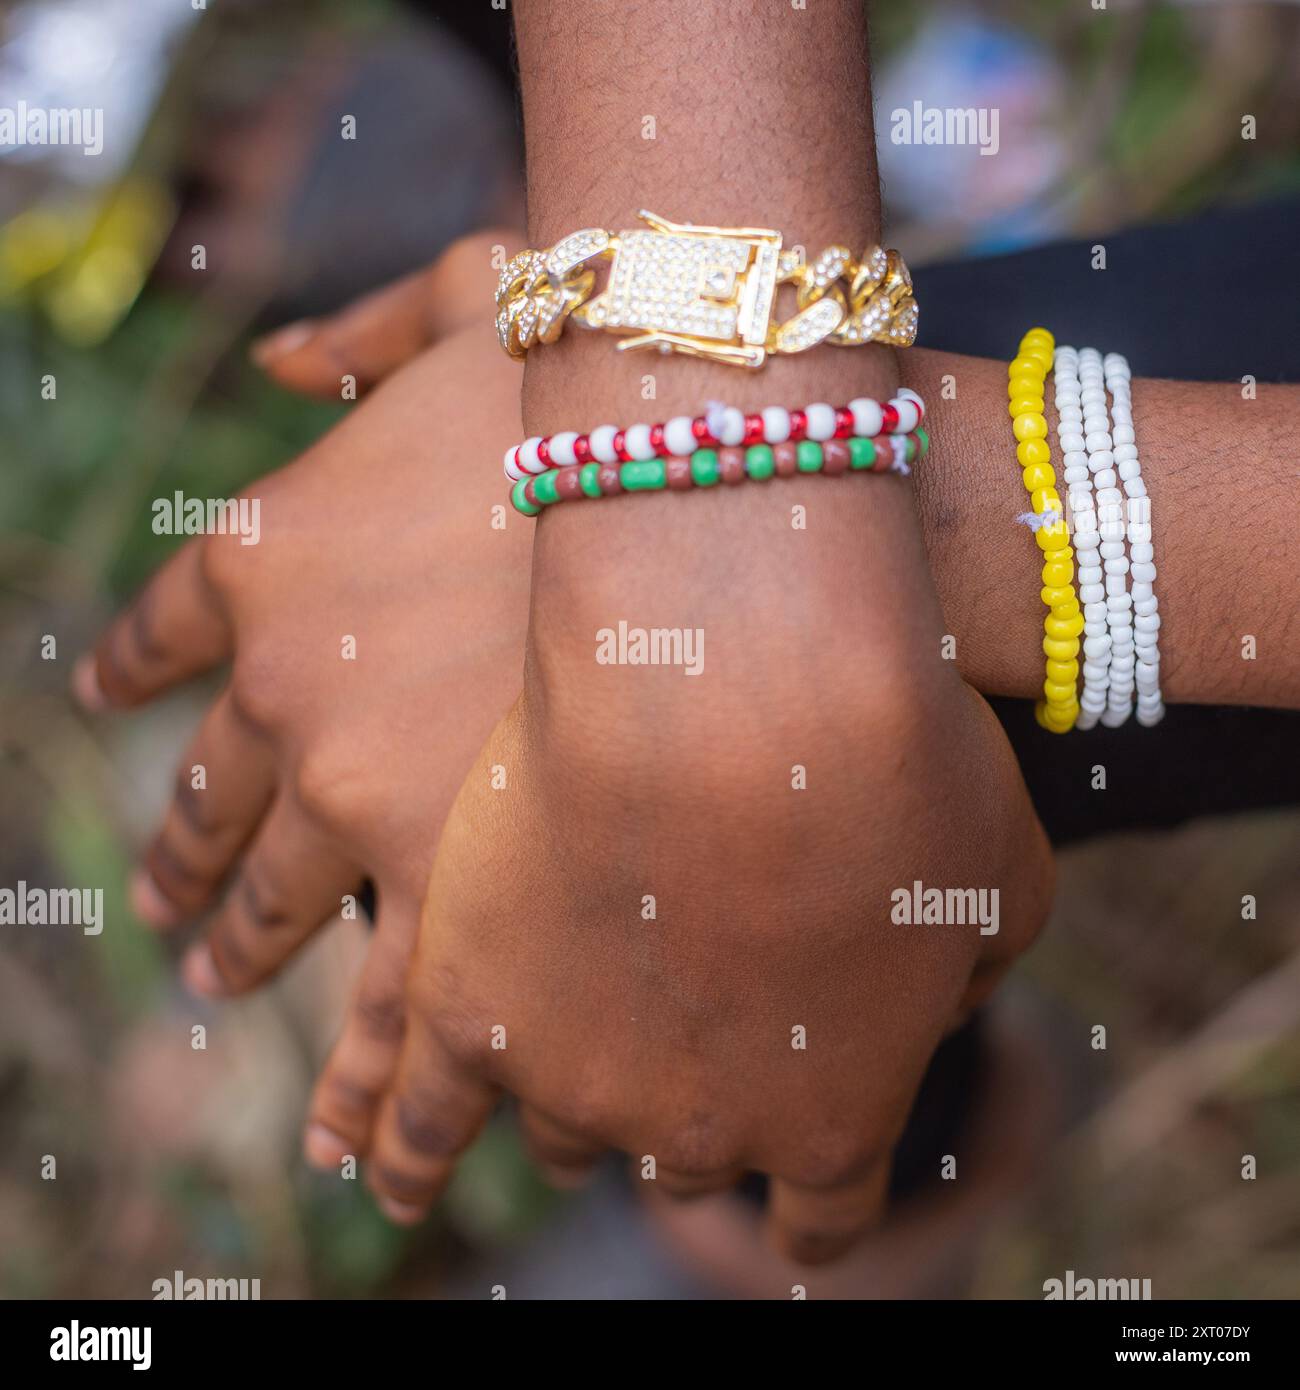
1093 702
908 394
1074 458
1142 552
601 440
1090 574
1130 468
1150 718
1112 550
1120 618
908 415
1077 473
1090 593
1070 414
1094 673
1125 451
1113 718
1102 461
1115 578
1150 623
1118 603
513 470
527 457
636 441
1072 443
1095 628
1145 606
679 438
1144 572
1096 441
776 423
1135 487
821 421
1109 496
1138 532
561 449
1105 478
1144 639
1093 611
1141 590
867 419
1122 433
733 427
1085 546
1095 646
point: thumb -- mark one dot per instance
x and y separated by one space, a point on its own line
368 340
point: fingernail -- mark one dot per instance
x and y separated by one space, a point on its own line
86 689
401 1213
282 342
148 903
322 1148
199 972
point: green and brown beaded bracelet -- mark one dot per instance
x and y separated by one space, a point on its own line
708 467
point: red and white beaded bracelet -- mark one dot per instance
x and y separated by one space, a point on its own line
721 426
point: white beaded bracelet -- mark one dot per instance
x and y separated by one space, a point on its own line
1099 451
1146 617
1085 537
723 425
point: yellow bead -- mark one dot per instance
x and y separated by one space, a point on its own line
1025 405
1029 427
1045 498
1026 366
1031 451
1057 692
1067 607
1058 594
1050 720
1038 474
1040 336
1063 672
1053 537
1020 386
1062 629
1061 648
1038 354
1040 713
1058 573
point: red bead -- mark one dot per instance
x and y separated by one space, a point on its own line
544 452
753 429
619 448
530 492
835 456
607 478
731 465
700 429
567 485
798 425
657 439
582 449
843 423
884 453
889 418
678 472
920 410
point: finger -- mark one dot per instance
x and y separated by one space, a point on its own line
565 1158
362 1063
291 880
173 630
813 1225
367 340
205 826
431 1116
688 1185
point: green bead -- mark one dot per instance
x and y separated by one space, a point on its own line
909 455
544 487
704 467
522 504
808 456
923 439
643 475
862 453
589 479
759 462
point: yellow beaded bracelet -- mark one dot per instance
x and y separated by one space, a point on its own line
1059 708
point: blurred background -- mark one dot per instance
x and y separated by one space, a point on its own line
222 132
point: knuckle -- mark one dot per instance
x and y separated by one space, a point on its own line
462 1031
832 1162
423 1130
194 806
324 781
382 1015
266 905
698 1151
